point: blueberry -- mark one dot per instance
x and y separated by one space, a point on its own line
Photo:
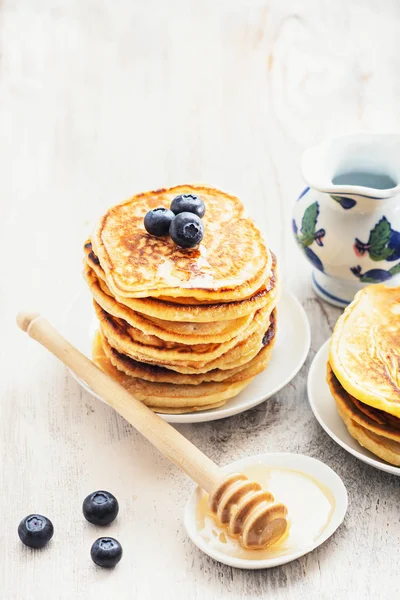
106 552
100 508
186 230
158 220
35 531
188 203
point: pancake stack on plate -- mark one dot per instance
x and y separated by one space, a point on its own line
364 370
182 329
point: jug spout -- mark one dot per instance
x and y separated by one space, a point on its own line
364 164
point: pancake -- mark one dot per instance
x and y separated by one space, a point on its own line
159 374
166 396
182 329
388 450
185 359
191 409
236 357
231 263
193 310
372 430
381 439
365 348
371 419
94 263
169 331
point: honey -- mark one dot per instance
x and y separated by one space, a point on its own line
310 508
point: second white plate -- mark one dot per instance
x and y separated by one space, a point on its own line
324 408
290 351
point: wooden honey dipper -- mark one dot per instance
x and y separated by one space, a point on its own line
249 514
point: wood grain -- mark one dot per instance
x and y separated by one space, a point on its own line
100 100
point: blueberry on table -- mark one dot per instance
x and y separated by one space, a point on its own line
106 552
188 203
35 531
186 230
100 508
158 220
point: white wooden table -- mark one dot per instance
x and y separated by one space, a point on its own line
99 100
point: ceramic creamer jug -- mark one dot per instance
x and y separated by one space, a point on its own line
347 221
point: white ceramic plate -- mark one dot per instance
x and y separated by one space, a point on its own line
310 466
290 352
324 408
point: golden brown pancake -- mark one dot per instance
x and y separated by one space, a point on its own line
365 348
183 358
166 396
385 448
169 331
187 409
192 310
374 429
231 263
182 329
155 373
373 419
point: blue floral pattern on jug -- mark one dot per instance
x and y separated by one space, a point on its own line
303 193
308 234
344 202
383 243
375 275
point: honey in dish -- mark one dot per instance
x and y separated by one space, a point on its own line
310 508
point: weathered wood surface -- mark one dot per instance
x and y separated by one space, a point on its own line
99 100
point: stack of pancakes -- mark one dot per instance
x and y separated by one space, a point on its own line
364 370
182 329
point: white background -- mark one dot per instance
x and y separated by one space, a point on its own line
99 100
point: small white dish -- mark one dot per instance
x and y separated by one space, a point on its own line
324 408
298 462
290 351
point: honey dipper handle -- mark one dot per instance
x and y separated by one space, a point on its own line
162 435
